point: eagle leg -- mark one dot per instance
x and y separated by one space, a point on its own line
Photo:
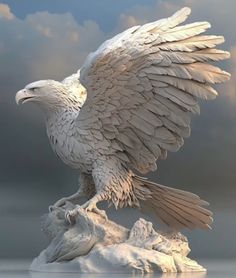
86 189
90 205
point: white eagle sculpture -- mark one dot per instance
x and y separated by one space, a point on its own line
128 105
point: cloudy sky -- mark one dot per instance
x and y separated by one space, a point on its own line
50 40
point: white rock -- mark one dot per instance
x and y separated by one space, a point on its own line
94 245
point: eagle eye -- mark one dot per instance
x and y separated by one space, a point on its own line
33 89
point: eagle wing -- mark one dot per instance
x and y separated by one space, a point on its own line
144 84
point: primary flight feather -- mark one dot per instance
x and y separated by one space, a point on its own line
126 107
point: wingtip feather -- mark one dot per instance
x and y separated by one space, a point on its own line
185 11
182 14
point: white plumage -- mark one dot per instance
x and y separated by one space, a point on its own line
137 93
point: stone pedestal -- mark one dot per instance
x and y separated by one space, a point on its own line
96 245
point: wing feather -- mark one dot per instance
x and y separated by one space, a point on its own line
142 87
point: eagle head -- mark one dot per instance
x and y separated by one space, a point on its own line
48 94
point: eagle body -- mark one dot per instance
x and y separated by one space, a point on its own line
61 130
83 154
130 104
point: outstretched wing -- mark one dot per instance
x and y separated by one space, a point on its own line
144 84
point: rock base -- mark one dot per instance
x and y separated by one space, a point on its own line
94 245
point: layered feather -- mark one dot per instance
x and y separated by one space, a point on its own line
148 80
176 208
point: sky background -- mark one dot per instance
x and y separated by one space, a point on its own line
50 40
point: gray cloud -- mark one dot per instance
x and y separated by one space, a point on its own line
231 86
5 12
48 45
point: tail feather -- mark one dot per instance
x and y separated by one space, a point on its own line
178 209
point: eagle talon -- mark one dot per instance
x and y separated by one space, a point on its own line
91 206
102 213
70 217
50 208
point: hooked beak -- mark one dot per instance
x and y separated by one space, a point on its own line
23 96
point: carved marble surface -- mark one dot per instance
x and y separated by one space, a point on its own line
96 245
